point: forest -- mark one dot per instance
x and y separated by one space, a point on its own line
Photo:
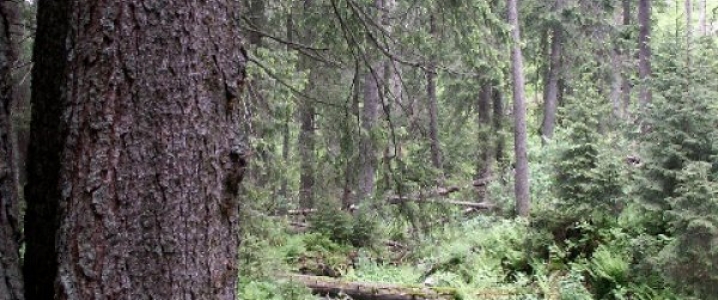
359 149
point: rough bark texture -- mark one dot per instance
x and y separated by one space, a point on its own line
521 187
434 142
644 52
11 286
554 72
143 152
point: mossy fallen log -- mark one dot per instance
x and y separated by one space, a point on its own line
370 291
334 287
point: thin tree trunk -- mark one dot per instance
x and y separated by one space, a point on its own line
497 98
257 19
372 97
306 148
367 151
286 133
435 144
142 152
307 134
554 72
486 155
644 52
689 29
520 137
702 7
625 80
11 285
350 174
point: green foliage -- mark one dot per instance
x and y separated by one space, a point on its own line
266 290
679 179
588 170
359 230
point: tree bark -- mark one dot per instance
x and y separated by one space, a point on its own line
11 285
521 182
644 52
143 152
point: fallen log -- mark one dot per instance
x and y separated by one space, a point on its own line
334 287
473 205
369 291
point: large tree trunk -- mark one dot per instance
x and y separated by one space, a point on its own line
520 138
11 286
644 52
138 111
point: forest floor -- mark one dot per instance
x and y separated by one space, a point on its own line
476 257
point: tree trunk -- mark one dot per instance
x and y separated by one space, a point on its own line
257 19
434 142
520 138
486 157
554 72
286 133
372 96
11 286
689 29
625 80
497 99
306 148
644 52
137 119
702 7
307 117
367 152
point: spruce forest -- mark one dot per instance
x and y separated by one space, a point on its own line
359 149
